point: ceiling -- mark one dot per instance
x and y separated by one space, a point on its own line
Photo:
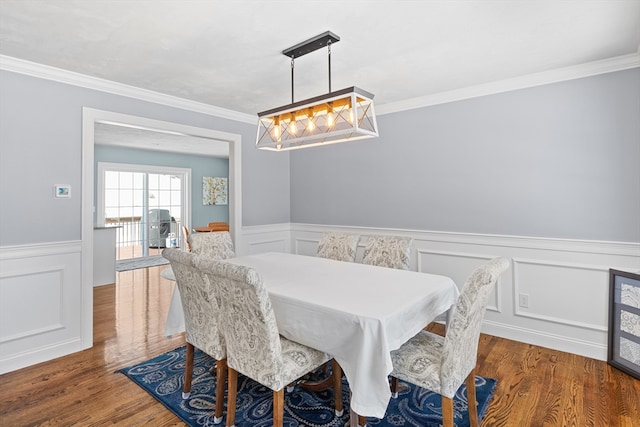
227 53
118 134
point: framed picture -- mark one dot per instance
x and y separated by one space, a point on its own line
624 322
214 191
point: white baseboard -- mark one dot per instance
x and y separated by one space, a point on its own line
548 340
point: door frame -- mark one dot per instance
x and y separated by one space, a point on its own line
90 117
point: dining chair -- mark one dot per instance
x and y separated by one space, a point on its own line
202 329
254 346
214 245
338 246
218 226
387 251
185 235
442 364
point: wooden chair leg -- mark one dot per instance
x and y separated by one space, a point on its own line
471 397
337 387
232 391
447 412
278 408
221 378
188 372
394 387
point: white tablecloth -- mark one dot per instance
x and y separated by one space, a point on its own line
354 312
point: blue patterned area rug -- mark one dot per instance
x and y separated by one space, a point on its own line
163 377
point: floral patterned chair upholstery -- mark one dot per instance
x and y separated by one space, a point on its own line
254 346
387 251
338 246
214 245
202 330
441 364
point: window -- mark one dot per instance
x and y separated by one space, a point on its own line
148 204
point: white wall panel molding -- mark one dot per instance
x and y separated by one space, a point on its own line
63 76
631 249
579 305
264 238
44 249
40 310
427 260
610 65
50 281
566 280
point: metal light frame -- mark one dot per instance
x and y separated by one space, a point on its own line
340 116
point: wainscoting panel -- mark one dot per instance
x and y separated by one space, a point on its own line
457 266
554 286
40 303
266 238
21 293
565 281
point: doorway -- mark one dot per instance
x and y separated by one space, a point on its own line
90 118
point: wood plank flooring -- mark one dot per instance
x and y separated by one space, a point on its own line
536 386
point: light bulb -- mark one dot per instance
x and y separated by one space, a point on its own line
330 119
310 125
293 128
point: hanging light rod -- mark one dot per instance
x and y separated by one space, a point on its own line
337 116
313 44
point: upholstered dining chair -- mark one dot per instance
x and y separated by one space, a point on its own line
185 235
202 330
387 251
214 245
338 246
442 364
254 346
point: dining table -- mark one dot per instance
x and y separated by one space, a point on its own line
356 313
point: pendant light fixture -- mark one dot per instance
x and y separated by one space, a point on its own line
340 116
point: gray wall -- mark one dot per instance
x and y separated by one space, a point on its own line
41 145
560 160
200 166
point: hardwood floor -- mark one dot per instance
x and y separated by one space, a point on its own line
536 386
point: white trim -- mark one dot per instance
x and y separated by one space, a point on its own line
604 66
544 243
69 77
40 249
89 117
517 262
497 303
50 336
544 339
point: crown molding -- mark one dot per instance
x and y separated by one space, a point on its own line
604 66
34 69
618 63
